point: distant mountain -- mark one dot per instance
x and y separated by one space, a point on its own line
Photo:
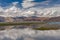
44 19
2 19
18 19
53 19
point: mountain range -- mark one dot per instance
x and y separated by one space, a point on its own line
21 19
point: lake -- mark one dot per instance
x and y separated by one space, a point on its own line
53 22
23 32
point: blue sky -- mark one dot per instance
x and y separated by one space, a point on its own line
20 1
8 2
4 3
41 3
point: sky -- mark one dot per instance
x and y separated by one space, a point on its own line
28 8
5 3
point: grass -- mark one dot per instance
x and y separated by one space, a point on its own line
47 28
18 23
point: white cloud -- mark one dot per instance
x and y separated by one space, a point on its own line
15 3
27 3
14 11
44 3
39 12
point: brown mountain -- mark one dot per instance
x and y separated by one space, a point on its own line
18 19
53 19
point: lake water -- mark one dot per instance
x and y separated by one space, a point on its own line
53 22
24 32
29 34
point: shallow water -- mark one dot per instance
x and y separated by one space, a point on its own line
25 32
53 22
29 34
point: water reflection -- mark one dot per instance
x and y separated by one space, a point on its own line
30 26
24 32
29 34
18 27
